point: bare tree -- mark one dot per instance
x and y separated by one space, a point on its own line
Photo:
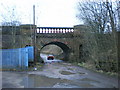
13 23
118 13
10 20
98 14
9 15
100 38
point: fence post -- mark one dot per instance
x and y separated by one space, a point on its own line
20 58
26 58
0 59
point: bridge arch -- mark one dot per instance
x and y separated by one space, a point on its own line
63 46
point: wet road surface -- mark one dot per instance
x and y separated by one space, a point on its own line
58 75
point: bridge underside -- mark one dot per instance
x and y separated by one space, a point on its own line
64 47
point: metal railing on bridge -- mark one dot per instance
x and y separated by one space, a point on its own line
54 30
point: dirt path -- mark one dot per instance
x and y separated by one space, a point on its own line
58 75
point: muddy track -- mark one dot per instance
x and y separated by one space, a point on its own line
58 75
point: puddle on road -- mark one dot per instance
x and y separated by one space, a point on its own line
82 73
39 81
70 69
88 79
87 85
66 73
33 80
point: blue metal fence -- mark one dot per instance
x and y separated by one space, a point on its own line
16 58
30 54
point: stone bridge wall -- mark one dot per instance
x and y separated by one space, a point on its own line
28 36
43 39
17 36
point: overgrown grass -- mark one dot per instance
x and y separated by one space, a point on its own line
90 67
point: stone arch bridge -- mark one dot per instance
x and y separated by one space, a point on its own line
69 39
60 36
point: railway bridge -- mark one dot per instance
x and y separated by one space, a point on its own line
69 39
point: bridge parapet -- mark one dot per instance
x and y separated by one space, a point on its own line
55 35
55 30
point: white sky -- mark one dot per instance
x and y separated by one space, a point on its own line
49 13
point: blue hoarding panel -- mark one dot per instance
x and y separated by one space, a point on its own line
16 58
30 53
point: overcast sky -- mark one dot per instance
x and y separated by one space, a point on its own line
49 13
52 13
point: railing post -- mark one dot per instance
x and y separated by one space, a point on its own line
56 30
53 31
62 30
47 30
38 30
42 30
65 30
59 30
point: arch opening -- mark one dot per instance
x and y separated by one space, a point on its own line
64 50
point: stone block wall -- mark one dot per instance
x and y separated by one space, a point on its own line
78 41
17 36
